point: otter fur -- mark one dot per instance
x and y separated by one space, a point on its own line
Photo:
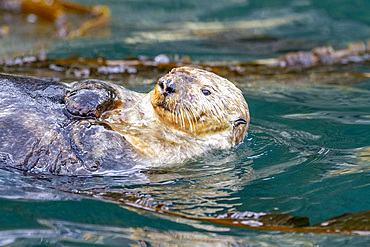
94 127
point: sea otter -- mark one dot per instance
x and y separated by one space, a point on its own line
94 127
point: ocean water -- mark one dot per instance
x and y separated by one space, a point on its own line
307 151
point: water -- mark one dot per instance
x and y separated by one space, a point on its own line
307 151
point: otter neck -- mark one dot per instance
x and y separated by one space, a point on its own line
152 139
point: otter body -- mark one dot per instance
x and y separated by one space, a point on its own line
95 127
37 134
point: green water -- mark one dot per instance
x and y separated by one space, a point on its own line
151 28
306 153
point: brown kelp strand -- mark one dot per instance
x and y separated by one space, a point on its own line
348 224
321 56
320 59
4 30
58 12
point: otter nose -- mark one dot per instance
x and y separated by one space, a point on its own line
168 86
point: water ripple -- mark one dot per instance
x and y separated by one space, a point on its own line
355 118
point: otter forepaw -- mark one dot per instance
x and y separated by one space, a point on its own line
90 98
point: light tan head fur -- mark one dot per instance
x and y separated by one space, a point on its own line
201 103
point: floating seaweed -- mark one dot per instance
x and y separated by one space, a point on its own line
348 224
4 30
320 59
57 13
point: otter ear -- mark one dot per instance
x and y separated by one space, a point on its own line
239 121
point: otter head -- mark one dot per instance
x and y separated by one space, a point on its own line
201 104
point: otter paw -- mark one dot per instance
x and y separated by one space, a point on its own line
90 98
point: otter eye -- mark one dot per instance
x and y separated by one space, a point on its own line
206 92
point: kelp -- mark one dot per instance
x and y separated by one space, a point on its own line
4 30
319 60
321 56
348 224
56 13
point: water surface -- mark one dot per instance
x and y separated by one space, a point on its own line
307 151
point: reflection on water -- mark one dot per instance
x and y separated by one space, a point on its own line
68 233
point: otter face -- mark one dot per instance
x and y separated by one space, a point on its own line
201 103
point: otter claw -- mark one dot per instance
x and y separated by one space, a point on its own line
239 121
